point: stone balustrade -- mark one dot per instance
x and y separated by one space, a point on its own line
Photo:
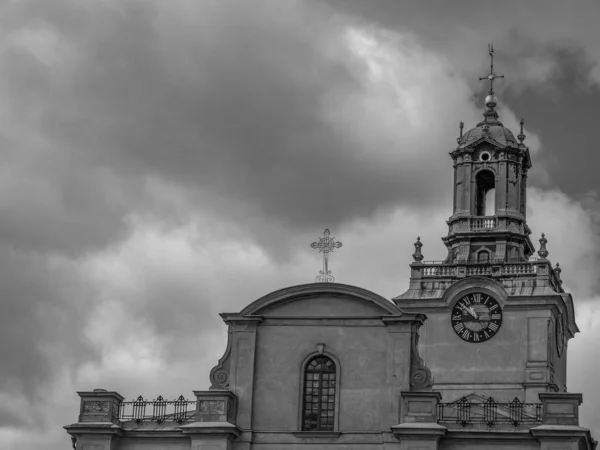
437 270
483 223
479 270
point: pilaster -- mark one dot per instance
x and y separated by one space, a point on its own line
401 330
419 428
538 373
211 435
560 408
560 423
243 356
215 406
214 428
98 427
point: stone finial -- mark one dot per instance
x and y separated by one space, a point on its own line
461 125
521 137
542 251
417 255
557 272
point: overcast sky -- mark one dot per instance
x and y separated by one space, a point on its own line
164 161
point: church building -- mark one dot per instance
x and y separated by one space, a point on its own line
472 356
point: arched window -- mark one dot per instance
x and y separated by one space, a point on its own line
318 410
483 256
486 194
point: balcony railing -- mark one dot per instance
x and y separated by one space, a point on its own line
158 410
490 412
519 269
483 223
481 269
438 269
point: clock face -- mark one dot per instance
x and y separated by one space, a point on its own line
560 335
476 317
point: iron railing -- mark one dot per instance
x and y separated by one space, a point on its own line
158 410
490 412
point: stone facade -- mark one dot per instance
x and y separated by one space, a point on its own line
471 356
385 396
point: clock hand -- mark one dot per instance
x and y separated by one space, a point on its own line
464 308
469 311
473 313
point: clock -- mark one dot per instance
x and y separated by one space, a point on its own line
560 334
476 317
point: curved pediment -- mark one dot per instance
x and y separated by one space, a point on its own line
475 283
322 300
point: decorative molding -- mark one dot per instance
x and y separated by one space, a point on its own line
216 406
316 434
212 406
95 407
420 375
317 289
474 283
219 375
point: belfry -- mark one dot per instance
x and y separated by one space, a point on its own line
490 186
490 281
473 355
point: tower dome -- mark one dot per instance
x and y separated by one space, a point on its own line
489 127
495 131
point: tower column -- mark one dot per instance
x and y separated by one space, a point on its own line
501 187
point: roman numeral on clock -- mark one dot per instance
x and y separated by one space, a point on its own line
494 327
477 298
458 317
496 316
459 327
466 334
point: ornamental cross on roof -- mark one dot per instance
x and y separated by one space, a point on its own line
492 76
326 245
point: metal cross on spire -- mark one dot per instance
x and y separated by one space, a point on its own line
326 245
492 76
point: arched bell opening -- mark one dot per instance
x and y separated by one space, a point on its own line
483 257
485 197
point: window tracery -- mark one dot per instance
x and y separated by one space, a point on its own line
318 411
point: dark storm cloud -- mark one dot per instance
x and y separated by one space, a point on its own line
43 302
565 115
548 54
100 98
231 101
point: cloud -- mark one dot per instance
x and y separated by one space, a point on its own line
163 163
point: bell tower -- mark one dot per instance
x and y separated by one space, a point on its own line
498 317
488 223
